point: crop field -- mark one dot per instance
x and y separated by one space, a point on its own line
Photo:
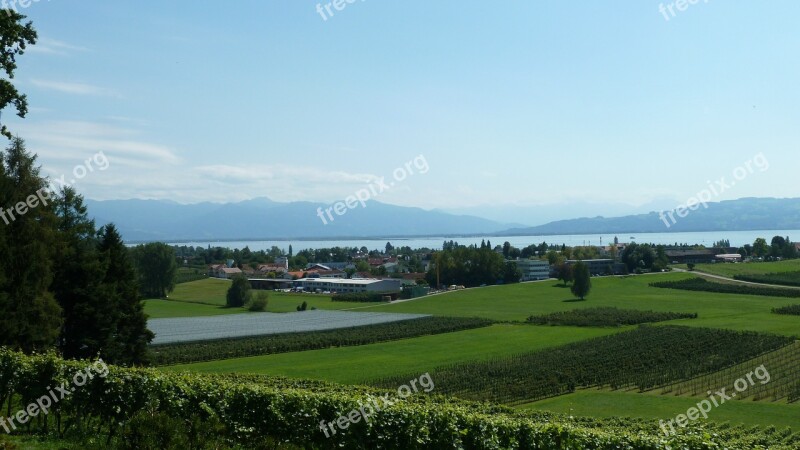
749 268
517 302
207 328
603 403
392 361
419 355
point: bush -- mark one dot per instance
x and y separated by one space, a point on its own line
257 301
792 310
238 292
605 317
361 297
703 285
303 306
781 278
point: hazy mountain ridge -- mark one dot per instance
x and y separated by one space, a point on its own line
733 215
143 220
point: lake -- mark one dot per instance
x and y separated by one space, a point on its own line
737 239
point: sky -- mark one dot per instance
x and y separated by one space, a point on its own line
515 103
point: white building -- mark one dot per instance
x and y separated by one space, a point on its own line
533 269
348 286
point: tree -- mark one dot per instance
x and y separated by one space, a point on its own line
690 266
583 282
87 310
760 248
130 337
15 39
257 301
506 249
30 317
564 273
157 269
238 292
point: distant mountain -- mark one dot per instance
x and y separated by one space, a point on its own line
149 220
733 215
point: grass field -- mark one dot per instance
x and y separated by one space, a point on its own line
729 270
360 364
605 404
516 302
207 298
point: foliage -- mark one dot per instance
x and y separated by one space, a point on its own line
793 310
296 342
303 306
248 411
470 266
645 358
187 276
30 317
703 285
782 365
781 278
16 36
156 266
582 282
360 297
605 317
257 301
238 292
564 273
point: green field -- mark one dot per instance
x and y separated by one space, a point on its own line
516 302
760 268
606 404
207 298
419 355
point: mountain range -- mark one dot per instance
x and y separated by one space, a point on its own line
262 218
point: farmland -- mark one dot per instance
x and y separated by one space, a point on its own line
468 354
240 325
749 268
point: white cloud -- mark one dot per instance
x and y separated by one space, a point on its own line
74 88
55 47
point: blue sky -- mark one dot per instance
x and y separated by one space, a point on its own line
511 103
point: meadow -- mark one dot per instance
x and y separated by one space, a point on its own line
748 268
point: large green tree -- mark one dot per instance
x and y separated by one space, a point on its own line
15 36
30 317
582 282
157 268
131 336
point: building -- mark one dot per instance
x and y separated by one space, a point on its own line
533 269
599 266
694 256
338 285
729 257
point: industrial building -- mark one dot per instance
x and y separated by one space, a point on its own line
533 269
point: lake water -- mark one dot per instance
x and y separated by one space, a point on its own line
737 239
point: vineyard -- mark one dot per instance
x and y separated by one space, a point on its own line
700 284
645 358
782 366
185 353
781 278
129 407
606 317
792 310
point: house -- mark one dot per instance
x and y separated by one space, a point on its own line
228 272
